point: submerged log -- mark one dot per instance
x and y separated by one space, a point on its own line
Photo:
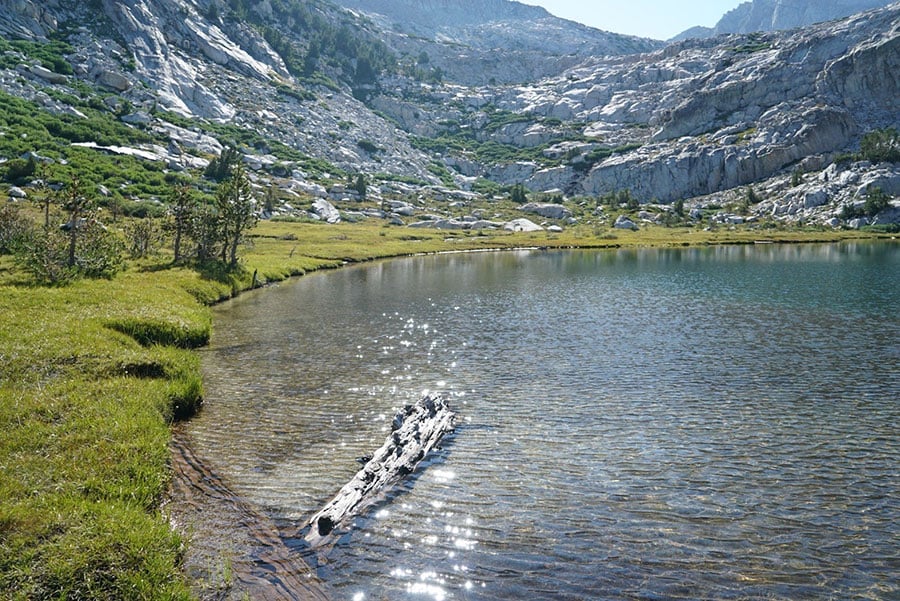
415 430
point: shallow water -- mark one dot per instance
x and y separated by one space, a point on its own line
715 423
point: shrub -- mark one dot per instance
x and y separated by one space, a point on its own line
220 167
631 202
368 146
17 170
144 237
486 187
881 145
876 201
46 254
848 212
98 253
15 229
518 194
360 186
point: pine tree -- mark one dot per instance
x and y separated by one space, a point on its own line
237 211
182 207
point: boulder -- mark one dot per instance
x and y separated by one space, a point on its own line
484 224
313 189
113 80
547 210
48 75
441 224
401 207
815 198
138 118
890 215
624 223
522 225
16 192
326 211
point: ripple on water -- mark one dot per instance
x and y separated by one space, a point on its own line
703 424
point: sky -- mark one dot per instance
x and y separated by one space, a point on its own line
658 19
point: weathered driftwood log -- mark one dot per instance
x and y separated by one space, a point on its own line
415 430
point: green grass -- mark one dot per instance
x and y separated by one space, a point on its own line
92 375
85 410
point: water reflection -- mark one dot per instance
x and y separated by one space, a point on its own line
693 423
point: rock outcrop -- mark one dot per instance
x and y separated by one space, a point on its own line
694 118
774 15
477 42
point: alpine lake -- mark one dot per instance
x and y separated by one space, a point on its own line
696 423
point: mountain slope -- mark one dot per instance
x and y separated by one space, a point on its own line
707 115
775 15
474 42
313 95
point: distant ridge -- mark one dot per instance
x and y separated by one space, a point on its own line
482 41
776 15
427 16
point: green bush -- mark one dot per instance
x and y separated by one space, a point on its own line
368 146
518 194
220 167
486 187
882 145
45 254
876 201
18 170
441 171
15 228
600 154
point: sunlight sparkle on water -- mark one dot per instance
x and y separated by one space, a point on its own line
423 587
359 596
443 476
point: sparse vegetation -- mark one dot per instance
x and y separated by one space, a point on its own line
587 162
754 43
881 145
518 194
876 201
368 146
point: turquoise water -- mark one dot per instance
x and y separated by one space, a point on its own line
717 423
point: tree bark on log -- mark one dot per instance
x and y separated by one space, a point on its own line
415 430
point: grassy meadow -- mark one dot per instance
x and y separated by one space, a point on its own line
93 374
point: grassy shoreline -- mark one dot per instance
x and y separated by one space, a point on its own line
92 375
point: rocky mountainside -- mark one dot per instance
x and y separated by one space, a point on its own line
775 15
313 95
495 41
688 120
